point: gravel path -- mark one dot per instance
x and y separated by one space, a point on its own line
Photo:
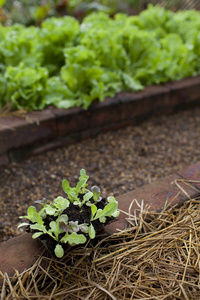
116 161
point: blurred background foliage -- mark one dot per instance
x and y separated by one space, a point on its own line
33 12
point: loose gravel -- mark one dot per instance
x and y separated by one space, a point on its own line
117 162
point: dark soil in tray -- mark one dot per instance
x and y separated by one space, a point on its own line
75 213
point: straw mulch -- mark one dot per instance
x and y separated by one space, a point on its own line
158 257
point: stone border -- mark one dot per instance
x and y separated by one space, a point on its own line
51 128
21 252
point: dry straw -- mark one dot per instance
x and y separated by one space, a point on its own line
158 257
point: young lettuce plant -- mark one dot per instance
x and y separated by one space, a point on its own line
110 210
56 220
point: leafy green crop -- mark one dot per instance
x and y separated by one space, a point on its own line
66 63
26 86
61 228
53 37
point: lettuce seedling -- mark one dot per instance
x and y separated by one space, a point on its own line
96 193
73 219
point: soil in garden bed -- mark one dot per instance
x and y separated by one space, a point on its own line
117 162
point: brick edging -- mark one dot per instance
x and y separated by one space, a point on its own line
21 252
51 128
158 194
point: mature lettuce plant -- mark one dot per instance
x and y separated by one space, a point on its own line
25 86
74 219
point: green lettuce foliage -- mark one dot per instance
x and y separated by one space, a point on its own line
54 35
80 63
18 44
25 86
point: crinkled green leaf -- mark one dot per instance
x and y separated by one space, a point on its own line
25 86
116 214
53 226
73 238
38 227
61 203
50 210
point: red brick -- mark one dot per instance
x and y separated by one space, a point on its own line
105 113
19 253
16 132
192 175
71 120
155 196
185 91
145 103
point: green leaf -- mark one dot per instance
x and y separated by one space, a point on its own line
108 210
130 83
116 214
36 235
92 232
82 174
87 196
39 227
65 186
74 238
96 192
111 199
63 218
55 229
61 203
93 211
73 195
34 216
102 219
53 226
80 184
23 224
50 210
84 228
31 213
59 252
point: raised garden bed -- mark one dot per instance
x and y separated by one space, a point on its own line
39 131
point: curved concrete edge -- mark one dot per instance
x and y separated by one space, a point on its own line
51 128
21 252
